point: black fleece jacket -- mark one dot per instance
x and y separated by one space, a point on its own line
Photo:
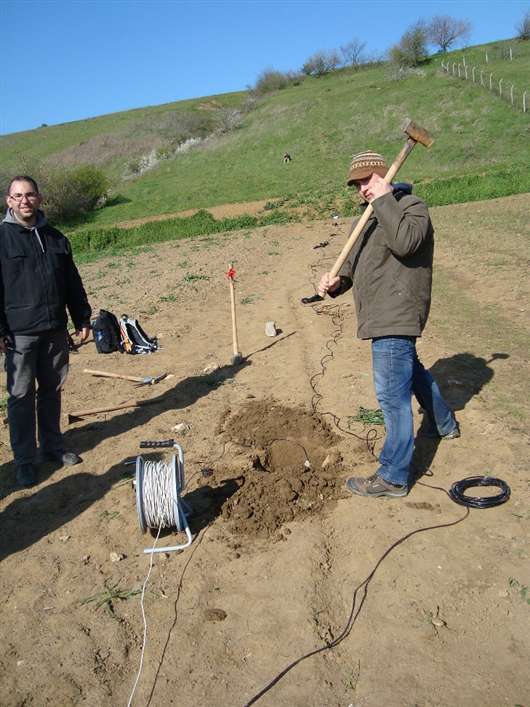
38 280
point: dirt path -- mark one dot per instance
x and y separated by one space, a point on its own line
279 545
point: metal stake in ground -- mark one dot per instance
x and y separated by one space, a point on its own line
231 274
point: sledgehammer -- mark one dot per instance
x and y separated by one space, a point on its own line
415 134
146 380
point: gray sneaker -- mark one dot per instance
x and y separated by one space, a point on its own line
374 486
65 458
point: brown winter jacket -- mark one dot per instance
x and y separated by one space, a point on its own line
390 268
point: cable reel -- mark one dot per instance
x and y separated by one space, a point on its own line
158 494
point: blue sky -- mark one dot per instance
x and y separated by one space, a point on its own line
66 60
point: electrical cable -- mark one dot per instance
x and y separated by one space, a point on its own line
180 583
458 489
337 317
355 609
144 639
158 495
456 493
336 312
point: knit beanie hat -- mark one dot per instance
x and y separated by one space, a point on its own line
364 164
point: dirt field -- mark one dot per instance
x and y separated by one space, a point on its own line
279 545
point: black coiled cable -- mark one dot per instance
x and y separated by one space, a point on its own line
459 488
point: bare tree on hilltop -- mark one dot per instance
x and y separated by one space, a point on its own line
443 31
352 53
523 27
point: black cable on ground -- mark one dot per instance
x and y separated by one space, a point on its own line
458 492
180 583
355 609
336 313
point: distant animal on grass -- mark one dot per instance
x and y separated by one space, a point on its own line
287 158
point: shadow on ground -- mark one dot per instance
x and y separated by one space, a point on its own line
460 378
31 517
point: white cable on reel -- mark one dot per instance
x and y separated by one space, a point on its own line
159 505
158 489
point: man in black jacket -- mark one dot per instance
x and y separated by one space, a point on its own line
38 283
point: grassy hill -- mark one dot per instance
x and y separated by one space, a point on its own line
480 150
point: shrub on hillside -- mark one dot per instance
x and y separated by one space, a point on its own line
72 193
412 47
228 119
321 63
177 126
400 73
272 80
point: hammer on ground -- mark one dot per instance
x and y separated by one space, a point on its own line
415 134
146 380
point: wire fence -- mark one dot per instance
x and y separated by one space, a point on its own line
486 78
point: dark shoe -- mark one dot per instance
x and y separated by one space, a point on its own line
26 475
454 434
66 458
375 486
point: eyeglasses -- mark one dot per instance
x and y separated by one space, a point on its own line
30 196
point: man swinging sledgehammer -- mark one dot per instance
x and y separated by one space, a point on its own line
390 271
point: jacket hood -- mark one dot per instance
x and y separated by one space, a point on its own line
39 223
399 189
403 187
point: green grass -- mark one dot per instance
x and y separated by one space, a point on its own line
249 299
480 149
521 589
109 595
191 277
92 243
368 417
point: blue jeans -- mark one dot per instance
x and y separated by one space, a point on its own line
398 373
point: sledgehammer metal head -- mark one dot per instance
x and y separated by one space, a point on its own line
417 133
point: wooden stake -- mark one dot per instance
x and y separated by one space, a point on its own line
237 355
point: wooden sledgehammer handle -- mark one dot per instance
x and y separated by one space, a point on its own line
416 134
71 416
104 374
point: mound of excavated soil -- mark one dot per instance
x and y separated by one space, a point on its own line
289 470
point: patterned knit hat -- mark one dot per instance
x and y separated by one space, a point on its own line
364 164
